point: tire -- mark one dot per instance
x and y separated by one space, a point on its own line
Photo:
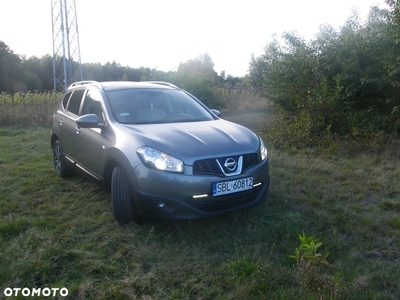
124 209
60 165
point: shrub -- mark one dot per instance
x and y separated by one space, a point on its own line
338 84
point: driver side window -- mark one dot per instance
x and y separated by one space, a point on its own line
92 105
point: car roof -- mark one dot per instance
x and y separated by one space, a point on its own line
118 85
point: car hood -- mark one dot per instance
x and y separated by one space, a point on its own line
194 140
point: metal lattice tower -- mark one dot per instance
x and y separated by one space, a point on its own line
66 52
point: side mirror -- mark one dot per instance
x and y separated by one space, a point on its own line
216 112
88 121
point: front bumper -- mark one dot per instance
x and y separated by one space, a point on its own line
169 195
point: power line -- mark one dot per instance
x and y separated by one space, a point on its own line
66 51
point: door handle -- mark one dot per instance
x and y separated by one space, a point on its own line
61 122
78 129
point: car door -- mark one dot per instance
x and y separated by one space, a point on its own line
67 124
89 141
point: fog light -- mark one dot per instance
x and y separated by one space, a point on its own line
166 208
199 196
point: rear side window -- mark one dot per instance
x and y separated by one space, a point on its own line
75 102
65 100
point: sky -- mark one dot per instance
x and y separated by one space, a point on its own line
163 33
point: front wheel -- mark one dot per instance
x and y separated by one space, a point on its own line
124 209
60 165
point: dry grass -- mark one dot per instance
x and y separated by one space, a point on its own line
28 109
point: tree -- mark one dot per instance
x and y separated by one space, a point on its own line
10 69
199 78
113 71
32 82
42 68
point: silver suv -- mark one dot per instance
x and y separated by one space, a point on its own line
158 149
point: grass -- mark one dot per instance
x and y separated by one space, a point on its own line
60 232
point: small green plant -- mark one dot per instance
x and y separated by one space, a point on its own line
307 252
244 267
309 264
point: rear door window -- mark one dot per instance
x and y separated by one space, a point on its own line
65 100
75 102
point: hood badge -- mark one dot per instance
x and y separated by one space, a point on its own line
230 164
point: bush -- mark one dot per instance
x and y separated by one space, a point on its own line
341 83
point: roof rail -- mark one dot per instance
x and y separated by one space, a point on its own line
164 83
83 83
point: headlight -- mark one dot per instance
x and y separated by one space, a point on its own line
263 150
159 160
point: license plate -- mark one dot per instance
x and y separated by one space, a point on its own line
234 186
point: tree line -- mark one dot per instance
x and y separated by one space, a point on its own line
21 74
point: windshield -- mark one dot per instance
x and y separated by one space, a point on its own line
147 106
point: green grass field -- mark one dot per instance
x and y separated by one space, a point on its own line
60 232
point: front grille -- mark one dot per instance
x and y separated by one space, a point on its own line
224 202
249 160
206 167
210 166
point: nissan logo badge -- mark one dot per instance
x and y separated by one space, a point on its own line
230 164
